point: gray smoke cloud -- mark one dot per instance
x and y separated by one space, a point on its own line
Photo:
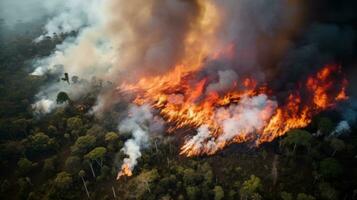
120 40
27 11
225 81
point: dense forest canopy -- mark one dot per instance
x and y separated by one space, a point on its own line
65 131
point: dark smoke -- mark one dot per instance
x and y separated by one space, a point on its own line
329 37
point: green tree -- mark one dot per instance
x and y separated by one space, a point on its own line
74 123
49 165
303 196
327 191
218 192
188 176
207 173
39 142
62 97
111 137
325 125
24 166
192 177
104 172
250 187
256 196
97 155
297 138
192 192
286 196
83 144
96 130
5 186
82 174
337 145
52 130
330 168
73 164
63 180
24 187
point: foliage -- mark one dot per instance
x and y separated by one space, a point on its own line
73 164
327 191
325 125
62 97
83 144
296 138
63 180
303 196
250 186
330 168
218 193
74 123
192 192
49 165
70 144
286 196
337 145
24 165
111 136
97 155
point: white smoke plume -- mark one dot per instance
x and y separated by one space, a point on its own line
117 41
242 120
43 106
123 40
342 127
46 99
141 124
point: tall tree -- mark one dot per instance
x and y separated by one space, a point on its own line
82 174
97 155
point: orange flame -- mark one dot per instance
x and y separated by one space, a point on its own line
184 101
125 171
186 104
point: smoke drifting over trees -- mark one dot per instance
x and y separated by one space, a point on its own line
95 64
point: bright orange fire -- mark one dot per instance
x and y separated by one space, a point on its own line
125 171
184 103
244 112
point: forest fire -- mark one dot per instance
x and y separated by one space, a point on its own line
223 107
125 171
192 105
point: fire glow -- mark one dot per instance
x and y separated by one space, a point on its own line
244 111
186 104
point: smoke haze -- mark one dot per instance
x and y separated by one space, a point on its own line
273 41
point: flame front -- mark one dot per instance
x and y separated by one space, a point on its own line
244 111
186 104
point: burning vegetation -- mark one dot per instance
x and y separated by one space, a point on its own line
246 111
209 90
